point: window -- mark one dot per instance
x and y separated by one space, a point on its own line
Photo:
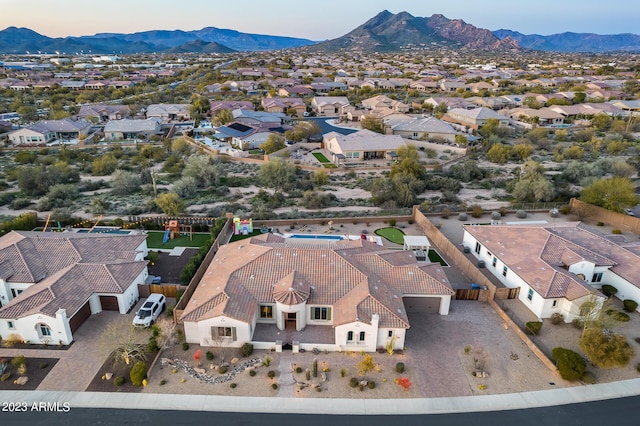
530 295
504 271
266 311
361 336
45 331
390 333
478 248
350 336
15 292
555 303
597 277
226 333
495 260
321 314
10 325
489 254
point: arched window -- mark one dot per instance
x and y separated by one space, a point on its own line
44 331
350 336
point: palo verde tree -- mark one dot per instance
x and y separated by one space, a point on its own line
614 193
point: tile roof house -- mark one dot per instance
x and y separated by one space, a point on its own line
356 288
119 130
474 118
420 128
50 283
362 145
329 106
48 131
169 112
104 112
556 266
282 105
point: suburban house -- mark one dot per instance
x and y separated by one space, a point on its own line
51 282
474 118
254 118
361 146
217 106
248 136
329 106
382 102
169 112
556 266
283 105
354 291
51 131
126 129
102 113
425 128
543 116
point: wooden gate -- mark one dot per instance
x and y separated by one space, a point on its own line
167 290
514 293
467 294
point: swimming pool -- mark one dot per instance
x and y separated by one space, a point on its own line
317 237
106 231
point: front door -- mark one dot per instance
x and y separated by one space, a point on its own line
290 319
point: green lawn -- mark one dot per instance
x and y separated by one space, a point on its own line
392 234
255 233
154 240
435 257
320 157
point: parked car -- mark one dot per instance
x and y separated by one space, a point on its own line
150 310
629 212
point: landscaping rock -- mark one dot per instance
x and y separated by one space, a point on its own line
234 361
108 376
200 374
199 370
22 380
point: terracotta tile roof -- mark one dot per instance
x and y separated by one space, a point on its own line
56 264
358 278
541 255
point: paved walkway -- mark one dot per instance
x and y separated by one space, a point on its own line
286 382
331 406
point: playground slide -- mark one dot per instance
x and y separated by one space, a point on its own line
166 237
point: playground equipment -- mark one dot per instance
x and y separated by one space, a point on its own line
95 224
46 223
175 229
242 226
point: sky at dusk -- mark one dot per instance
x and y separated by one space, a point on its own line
318 20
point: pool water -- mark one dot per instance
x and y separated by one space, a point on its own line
317 237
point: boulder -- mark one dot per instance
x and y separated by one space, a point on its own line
108 376
22 380
199 370
234 360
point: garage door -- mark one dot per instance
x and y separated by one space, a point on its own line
109 303
427 305
80 317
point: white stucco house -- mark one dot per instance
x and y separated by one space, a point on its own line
557 267
362 145
51 282
355 293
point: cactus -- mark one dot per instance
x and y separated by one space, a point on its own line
315 367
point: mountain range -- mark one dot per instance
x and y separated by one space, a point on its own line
385 32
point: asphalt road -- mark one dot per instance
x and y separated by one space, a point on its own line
615 411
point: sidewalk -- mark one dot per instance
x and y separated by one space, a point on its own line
331 406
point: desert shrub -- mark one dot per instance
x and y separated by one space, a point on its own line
534 327
18 361
392 222
616 231
354 382
209 355
606 349
446 212
233 385
163 382
609 290
600 224
618 315
274 386
43 365
299 370
138 372
570 364
557 318
6 376
476 211
463 216
371 384
566 209
246 349
119 381
589 378
252 373
577 323
400 367
343 372
630 305
185 346
315 368
11 341
271 374
222 369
